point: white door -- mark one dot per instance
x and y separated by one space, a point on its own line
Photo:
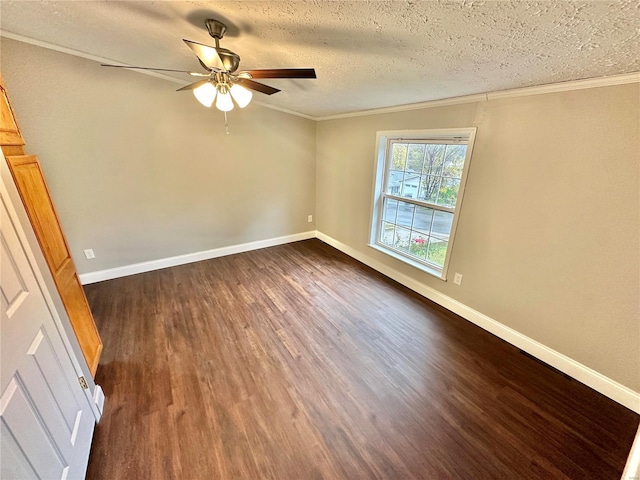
45 419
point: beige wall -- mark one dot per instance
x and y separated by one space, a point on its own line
548 236
139 172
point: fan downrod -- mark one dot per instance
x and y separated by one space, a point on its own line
216 28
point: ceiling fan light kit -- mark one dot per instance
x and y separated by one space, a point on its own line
224 85
205 93
224 102
241 95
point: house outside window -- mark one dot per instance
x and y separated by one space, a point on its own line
420 179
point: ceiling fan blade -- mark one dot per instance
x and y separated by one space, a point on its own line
258 87
282 73
149 68
193 86
209 56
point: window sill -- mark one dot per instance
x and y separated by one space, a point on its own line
423 268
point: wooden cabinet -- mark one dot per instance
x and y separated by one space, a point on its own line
34 193
9 132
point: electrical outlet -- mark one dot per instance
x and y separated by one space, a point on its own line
310 218
457 278
88 253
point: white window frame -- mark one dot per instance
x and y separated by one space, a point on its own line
384 140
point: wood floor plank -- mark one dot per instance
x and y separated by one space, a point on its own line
298 362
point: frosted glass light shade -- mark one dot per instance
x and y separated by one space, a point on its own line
241 95
205 94
224 102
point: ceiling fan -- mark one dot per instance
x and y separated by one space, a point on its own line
222 80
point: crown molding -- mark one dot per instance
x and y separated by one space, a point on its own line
480 97
567 86
633 77
85 55
283 110
611 80
95 58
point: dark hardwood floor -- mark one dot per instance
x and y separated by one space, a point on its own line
297 362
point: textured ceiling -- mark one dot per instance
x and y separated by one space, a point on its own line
367 54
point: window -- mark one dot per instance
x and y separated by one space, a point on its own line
420 177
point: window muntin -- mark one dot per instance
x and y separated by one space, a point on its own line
419 191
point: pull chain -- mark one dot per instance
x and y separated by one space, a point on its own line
226 124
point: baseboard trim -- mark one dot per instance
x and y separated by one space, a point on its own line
126 270
632 469
600 383
99 399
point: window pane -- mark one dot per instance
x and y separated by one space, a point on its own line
418 245
422 219
410 185
448 192
402 238
434 159
421 183
415 157
386 235
429 186
394 182
405 214
389 210
437 251
398 156
454 160
442 222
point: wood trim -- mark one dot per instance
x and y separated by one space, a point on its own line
31 161
13 150
9 131
34 193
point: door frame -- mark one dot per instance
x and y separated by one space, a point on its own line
45 281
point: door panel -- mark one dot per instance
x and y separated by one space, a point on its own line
46 422
25 430
50 373
30 183
12 287
14 462
35 197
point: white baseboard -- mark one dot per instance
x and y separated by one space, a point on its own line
614 390
126 270
632 469
99 399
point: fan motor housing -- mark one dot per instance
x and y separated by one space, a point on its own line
216 28
230 59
